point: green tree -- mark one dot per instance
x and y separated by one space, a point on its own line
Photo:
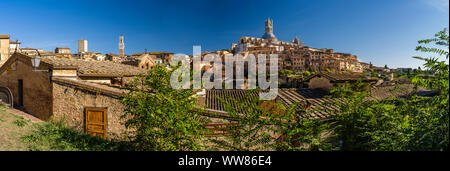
286 72
306 74
252 130
411 123
363 124
432 118
263 125
162 118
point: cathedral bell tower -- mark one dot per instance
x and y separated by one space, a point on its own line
269 26
121 46
269 31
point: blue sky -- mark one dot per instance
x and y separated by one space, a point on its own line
377 31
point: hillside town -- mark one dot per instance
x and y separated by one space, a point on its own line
63 84
224 83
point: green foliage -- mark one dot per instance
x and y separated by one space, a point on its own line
54 136
286 72
251 132
263 125
368 125
373 73
306 74
21 122
1 112
163 119
413 123
432 118
305 135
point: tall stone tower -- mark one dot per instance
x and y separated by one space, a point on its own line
269 31
82 46
121 46
269 26
296 40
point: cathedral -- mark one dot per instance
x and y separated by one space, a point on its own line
294 55
267 41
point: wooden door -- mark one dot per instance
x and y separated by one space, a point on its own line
95 121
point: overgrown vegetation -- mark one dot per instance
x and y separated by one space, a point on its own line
265 125
163 118
412 123
54 136
250 132
20 122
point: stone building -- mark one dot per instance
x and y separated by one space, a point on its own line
267 42
163 58
82 46
121 46
113 58
99 57
327 80
294 55
86 94
63 51
31 51
143 61
4 48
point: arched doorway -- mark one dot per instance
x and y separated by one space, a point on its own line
6 96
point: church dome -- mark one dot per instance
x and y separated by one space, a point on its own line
268 36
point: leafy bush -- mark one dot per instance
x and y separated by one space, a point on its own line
54 136
21 122
163 118
412 123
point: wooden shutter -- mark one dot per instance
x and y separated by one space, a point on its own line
95 121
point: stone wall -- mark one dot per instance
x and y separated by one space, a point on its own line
69 102
320 83
36 87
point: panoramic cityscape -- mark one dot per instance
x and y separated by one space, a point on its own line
278 76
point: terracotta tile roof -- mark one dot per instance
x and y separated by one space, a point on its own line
342 76
316 102
95 68
92 87
213 97
14 42
307 98
401 90
311 100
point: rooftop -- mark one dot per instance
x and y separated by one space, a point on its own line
95 68
339 76
93 87
4 36
88 68
307 98
319 105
